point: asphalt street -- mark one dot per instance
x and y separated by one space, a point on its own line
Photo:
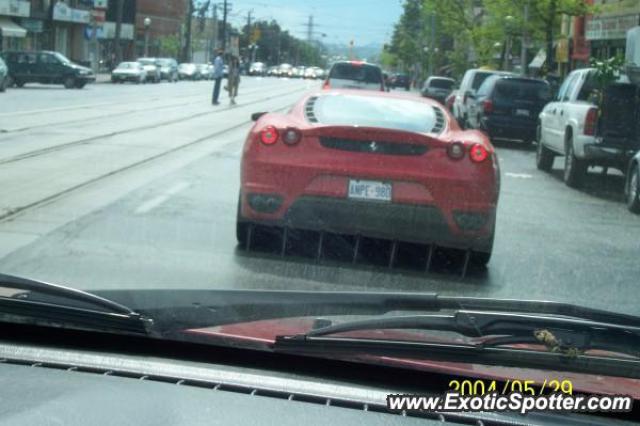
126 186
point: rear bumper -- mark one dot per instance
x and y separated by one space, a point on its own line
607 156
400 222
125 77
507 127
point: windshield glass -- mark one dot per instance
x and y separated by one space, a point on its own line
509 89
386 113
441 83
356 72
62 58
316 149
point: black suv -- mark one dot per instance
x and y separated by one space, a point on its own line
508 107
46 67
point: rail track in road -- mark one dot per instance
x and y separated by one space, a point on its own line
89 140
15 211
143 108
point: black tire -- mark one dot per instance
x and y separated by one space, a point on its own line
242 228
19 83
80 84
4 83
544 156
480 258
575 170
69 83
633 190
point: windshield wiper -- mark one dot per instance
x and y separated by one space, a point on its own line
565 338
48 304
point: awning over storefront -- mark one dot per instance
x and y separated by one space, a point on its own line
539 59
9 28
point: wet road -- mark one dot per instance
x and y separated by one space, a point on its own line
136 187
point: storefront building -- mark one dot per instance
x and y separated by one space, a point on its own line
12 34
607 31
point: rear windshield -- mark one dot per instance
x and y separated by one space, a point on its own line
361 73
372 111
441 84
479 78
522 90
128 65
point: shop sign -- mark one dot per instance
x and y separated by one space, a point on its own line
15 8
62 12
610 27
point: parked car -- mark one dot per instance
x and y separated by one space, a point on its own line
46 67
632 186
298 72
372 164
508 107
258 68
470 83
313 73
187 71
4 76
355 75
152 67
272 71
129 71
438 88
168 69
204 72
586 134
401 81
285 70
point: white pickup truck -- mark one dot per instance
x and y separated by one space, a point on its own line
572 126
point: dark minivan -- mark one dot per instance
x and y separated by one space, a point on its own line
46 67
508 106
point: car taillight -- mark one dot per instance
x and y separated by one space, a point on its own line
487 106
590 122
269 135
326 85
456 150
478 153
291 136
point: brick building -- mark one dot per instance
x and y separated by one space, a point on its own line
167 19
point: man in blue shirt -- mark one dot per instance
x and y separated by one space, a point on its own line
218 73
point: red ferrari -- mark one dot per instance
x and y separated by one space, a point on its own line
371 164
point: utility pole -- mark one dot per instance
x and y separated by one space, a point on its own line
186 53
214 41
225 12
310 29
117 42
525 40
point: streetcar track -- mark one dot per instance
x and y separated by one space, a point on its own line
107 116
62 146
15 211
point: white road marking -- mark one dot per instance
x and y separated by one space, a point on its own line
151 204
519 175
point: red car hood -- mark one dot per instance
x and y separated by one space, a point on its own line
261 335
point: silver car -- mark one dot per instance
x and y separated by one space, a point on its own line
152 66
129 71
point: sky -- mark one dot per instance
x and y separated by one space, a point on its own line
363 21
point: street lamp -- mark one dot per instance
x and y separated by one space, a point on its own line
509 22
147 24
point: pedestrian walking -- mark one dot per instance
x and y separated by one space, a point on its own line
218 73
233 80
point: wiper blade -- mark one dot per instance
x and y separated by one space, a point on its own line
566 338
55 305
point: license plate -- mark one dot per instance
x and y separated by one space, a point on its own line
522 112
369 190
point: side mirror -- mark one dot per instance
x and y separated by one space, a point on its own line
256 116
